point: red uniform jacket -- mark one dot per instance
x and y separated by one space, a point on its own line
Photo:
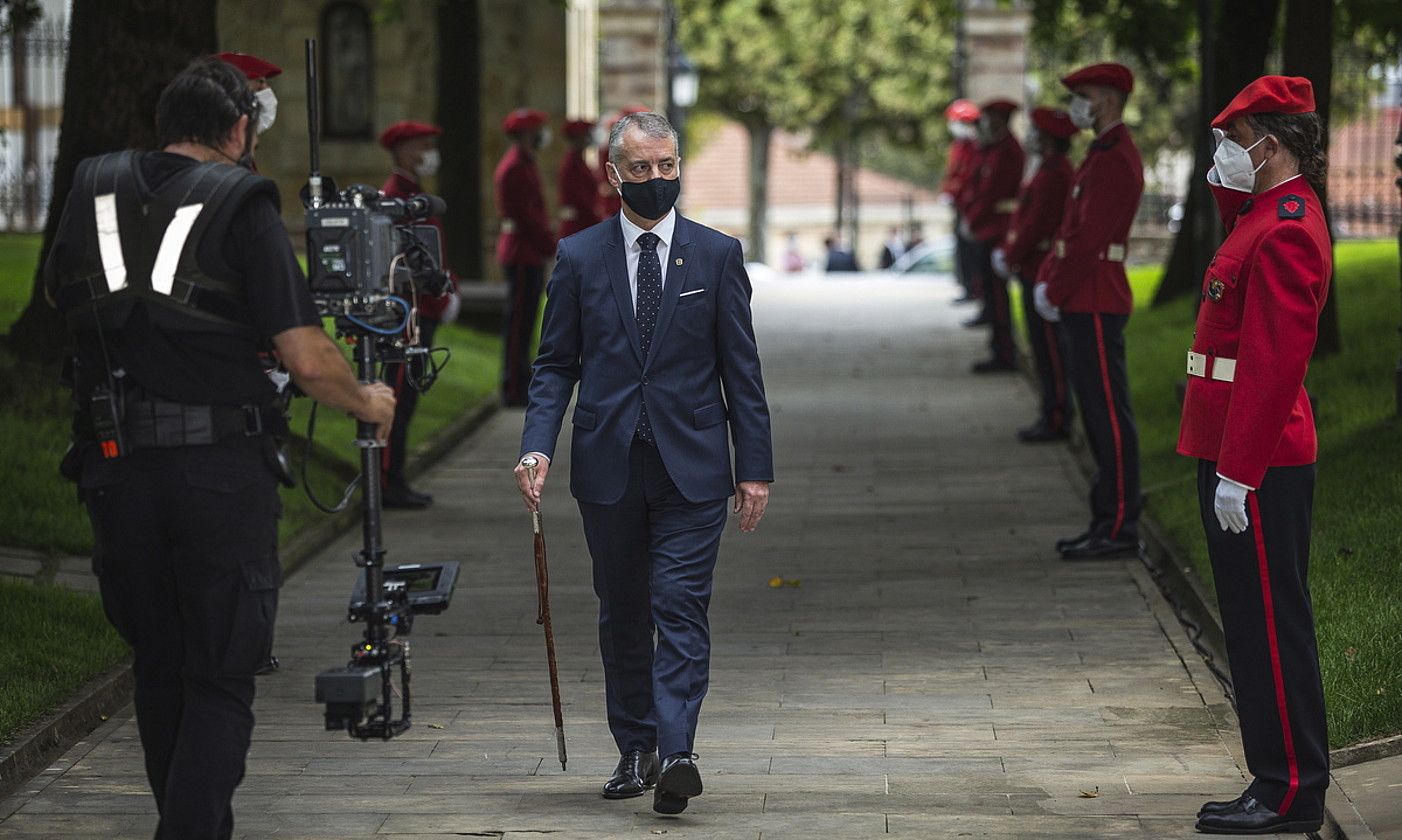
525 237
579 194
1038 214
1262 296
995 185
610 204
956 170
968 182
402 185
1086 271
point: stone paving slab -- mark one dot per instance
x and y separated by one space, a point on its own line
935 672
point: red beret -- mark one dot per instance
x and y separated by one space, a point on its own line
524 119
1054 122
406 130
1115 76
961 110
1269 95
252 66
578 128
1000 106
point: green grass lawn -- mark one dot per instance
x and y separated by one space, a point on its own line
41 511
1356 554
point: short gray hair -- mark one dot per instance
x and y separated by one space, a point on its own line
648 122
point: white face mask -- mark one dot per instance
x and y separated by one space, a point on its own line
267 109
1080 111
428 164
963 130
1233 163
545 137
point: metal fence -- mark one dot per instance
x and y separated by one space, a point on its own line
1363 199
31 106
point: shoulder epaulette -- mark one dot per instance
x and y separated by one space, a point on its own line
1291 206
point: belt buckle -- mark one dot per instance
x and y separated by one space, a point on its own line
1197 364
253 421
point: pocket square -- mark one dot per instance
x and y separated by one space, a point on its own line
692 292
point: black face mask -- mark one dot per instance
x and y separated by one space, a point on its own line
651 199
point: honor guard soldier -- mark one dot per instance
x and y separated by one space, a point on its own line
1247 419
579 186
1082 285
524 244
413 147
258 72
986 215
1038 215
173 270
962 119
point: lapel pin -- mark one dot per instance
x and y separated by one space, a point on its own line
680 260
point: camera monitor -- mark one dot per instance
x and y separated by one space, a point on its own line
428 587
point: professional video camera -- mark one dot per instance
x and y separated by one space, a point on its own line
367 261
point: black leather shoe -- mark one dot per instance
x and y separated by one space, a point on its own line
1219 807
1066 542
1102 547
975 323
1042 432
995 365
636 772
400 497
680 780
1251 817
965 298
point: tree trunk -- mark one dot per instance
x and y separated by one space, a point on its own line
840 156
459 179
121 54
854 164
1307 49
1242 38
761 133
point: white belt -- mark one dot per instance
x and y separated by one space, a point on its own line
508 225
1223 370
568 213
1007 205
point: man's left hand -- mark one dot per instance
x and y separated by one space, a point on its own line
751 498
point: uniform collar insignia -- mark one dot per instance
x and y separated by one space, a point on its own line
1246 205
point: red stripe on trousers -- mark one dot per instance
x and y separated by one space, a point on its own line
1055 355
1264 571
1114 428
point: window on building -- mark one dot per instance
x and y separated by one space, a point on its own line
347 71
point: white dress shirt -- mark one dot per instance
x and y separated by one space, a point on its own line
632 251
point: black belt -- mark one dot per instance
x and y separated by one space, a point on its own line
159 424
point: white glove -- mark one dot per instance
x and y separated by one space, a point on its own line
944 199
1045 308
1000 264
450 314
1231 505
965 232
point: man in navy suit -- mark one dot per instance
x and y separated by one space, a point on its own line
650 314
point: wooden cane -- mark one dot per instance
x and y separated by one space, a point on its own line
542 584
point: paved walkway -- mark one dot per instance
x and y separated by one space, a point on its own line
929 669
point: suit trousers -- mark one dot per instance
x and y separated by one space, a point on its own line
524 286
406 402
1099 375
186 559
1049 357
1262 578
654 554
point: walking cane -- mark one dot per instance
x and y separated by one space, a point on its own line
542 585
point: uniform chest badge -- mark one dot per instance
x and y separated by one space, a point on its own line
1215 290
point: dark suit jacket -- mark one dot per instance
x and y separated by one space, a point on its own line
703 369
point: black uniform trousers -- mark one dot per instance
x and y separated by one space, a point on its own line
997 307
1049 357
524 286
186 558
1096 346
406 402
969 261
1262 578
654 557
960 273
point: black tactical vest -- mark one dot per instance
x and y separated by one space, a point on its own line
131 244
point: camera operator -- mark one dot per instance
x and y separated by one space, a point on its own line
173 270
